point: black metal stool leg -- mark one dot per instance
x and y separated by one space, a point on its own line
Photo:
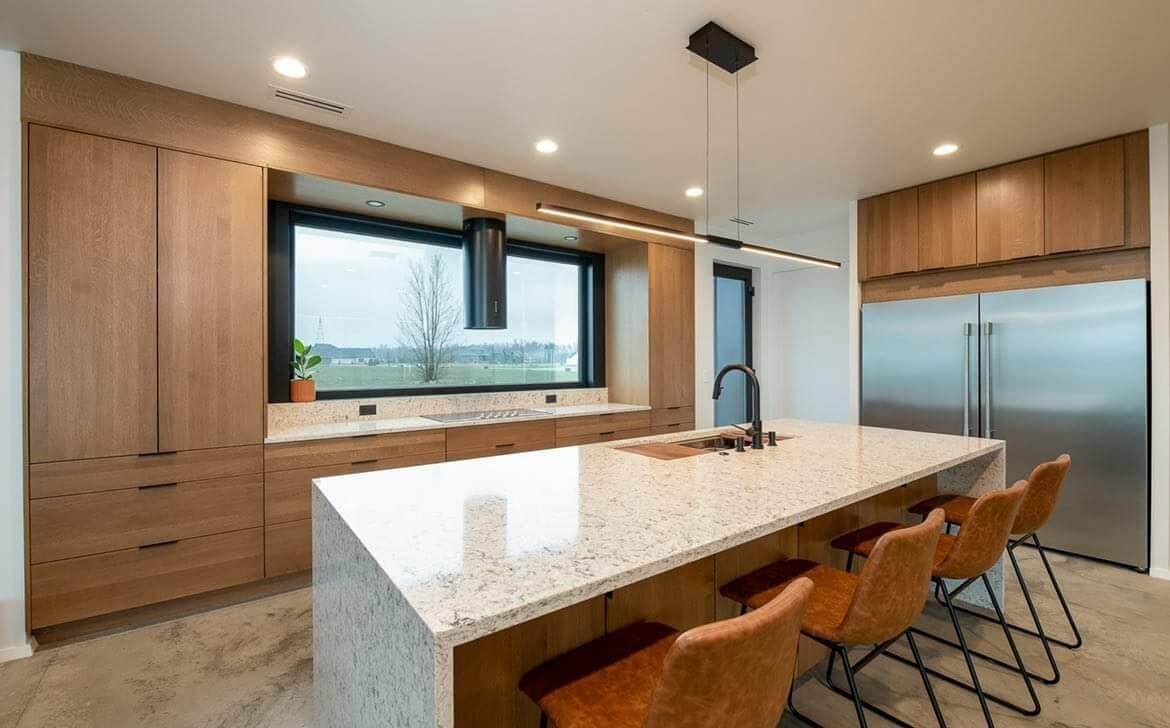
857 667
942 723
543 720
853 688
1007 633
1059 595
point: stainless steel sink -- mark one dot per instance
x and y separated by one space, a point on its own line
713 443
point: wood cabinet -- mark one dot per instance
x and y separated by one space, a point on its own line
356 449
464 443
92 298
591 429
211 323
946 223
1084 197
887 230
1010 220
671 283
1137 189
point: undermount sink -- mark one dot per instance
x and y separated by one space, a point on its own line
714 443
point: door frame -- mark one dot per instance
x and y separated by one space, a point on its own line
739 273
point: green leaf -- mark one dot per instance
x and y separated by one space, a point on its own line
313 361
298 346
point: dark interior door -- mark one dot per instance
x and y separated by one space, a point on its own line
733 340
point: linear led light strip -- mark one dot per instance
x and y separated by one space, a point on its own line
617 222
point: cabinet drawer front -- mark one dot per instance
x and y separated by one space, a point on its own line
64 591
288 548
671 416
669 429
94 476
93 523
571 427
502 449
288 493
342 450
590 439
518 434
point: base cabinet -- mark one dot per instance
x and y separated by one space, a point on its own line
288 547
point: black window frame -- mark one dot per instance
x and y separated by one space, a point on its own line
284 217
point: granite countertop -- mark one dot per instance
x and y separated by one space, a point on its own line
405 424
475 546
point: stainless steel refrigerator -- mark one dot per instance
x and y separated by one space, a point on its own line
1049 370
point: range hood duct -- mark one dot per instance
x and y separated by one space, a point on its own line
485 274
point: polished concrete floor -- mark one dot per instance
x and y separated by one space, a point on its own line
250 666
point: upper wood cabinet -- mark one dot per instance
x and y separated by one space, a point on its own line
1084 197
671 276
211 302
92 299
888 232
1137 189
1010 218
946 223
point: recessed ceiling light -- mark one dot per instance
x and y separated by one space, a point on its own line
546 146
290 67
694 192
943 150
571 238
375 203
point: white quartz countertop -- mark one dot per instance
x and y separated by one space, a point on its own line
476 546
405 424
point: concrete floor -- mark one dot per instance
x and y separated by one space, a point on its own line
250 666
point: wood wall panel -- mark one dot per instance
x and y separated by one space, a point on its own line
1010 217
746 558
211 286
682 598
91 297
1084 197
1137 189
672 326
946 223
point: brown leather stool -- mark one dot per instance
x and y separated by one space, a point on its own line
876 607
966 558
1040 501
735 672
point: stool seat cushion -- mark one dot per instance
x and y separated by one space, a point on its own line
607 682
832 593
863 540
955 507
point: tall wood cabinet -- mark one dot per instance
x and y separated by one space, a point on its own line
145 390
672 326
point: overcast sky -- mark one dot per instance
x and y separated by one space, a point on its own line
353 285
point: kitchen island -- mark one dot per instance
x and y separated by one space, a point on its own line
436 586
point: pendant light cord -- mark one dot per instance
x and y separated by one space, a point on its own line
707 174
738 224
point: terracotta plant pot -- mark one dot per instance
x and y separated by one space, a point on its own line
302 390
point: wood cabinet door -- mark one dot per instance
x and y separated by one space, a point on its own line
1084 197
890 224
92 302
1137 189
946 223
671 274
211 294
1010 215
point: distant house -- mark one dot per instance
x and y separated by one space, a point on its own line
331 354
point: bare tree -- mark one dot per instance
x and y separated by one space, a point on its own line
431 317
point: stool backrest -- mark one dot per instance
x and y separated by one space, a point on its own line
893 584
984 534
1043 492
736 672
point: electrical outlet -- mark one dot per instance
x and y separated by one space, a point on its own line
367 409
550 399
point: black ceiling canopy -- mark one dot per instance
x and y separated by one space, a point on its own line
714 43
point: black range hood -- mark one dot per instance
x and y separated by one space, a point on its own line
485 274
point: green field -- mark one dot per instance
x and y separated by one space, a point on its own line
385 376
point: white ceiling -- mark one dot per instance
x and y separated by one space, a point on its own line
848 97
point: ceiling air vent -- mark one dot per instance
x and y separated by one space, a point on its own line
309 102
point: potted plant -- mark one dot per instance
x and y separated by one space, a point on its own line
302 388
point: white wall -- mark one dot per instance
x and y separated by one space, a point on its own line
800 332
1160 351
14 640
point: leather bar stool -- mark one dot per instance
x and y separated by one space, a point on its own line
967 558
735 672
876 607
1040 501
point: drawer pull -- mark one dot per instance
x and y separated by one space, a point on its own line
368 434
160 543
505 444
364 462
603 434
157 454
155 486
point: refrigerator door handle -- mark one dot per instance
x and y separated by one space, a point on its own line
967 332
985 356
